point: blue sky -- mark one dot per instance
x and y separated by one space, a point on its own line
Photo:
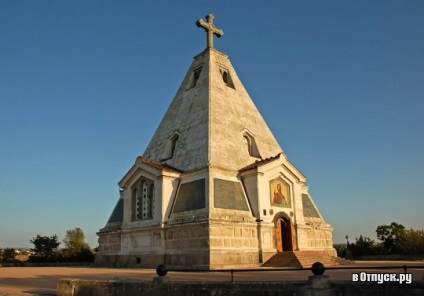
84 85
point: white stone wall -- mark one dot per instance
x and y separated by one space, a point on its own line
109 243
233 244
232 112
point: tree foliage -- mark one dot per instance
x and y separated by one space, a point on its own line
75 240
411 242
45 246
363 246
8 255
390 235
77 250
341 250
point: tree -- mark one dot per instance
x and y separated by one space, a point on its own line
8 255
363 246
411 242
75 240
341 250
390 236
45 246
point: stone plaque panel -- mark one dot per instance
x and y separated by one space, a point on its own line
191 196
229 195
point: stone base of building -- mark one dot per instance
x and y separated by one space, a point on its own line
221 259
182 261
129 261
201 245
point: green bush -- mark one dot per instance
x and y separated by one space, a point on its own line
411 242
41 259
341 250
65 255
85 255
364 246
8 255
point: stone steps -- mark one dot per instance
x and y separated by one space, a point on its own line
301 259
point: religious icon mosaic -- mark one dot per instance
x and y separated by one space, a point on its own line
280 193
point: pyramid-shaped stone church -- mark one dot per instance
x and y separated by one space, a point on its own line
214 189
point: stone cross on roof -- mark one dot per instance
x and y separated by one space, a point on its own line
210 29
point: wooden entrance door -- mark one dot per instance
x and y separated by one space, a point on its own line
283 235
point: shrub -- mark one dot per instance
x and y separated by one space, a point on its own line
341 250
9 255
411 242
363 246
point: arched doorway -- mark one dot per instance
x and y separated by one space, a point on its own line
283 234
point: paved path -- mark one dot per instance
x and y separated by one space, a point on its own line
43 280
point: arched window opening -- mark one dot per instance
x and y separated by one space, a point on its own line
194 78
248 144
139 199
134 204
174 140
151 199
251 145
143 199
171 146
226 77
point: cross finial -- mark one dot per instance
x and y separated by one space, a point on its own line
210 29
